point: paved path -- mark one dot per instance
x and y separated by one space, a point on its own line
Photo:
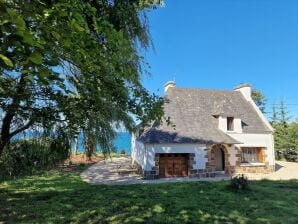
105 172
283 171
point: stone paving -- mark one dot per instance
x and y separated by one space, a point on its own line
106 172
283 171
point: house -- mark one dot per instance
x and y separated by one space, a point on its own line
209 132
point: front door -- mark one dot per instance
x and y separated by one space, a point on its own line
219 159
173 165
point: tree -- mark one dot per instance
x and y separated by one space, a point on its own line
281 122
259 99
274 118
284 118
293 136
73 64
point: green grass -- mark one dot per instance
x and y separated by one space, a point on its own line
57 197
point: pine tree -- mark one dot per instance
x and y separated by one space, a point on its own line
274 118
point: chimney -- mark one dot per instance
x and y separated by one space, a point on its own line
245 89
169 84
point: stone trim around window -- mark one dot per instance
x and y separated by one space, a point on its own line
262 167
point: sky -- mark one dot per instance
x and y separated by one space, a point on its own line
219 44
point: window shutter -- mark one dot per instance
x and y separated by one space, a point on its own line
262 155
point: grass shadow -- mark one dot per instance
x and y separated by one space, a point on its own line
63 198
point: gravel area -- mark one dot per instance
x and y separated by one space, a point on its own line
106 172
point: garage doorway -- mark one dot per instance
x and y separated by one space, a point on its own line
173 165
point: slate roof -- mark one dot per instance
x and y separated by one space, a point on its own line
193 114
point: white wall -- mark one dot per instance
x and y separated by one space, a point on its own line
197 149
257 140
246 92
144 155
222 124
138 152
237 125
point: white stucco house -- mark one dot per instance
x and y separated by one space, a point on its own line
210 132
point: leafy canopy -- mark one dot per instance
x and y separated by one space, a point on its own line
74 64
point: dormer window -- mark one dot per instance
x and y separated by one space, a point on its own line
230 123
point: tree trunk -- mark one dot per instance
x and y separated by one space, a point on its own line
76 145
5 135
10 113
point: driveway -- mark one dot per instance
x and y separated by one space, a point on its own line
283 171
106 172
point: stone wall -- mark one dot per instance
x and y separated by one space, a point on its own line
149 174
246 168
154 173
266 168
209 170
229 168
198 173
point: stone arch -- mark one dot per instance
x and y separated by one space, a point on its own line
211 157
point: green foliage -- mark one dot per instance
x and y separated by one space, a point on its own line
90 144
31 156
286 132
259 99
290 155
57 197
74 62
285 135
239 183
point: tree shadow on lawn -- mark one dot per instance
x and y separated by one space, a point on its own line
65 198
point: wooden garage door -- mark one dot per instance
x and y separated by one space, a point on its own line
173 165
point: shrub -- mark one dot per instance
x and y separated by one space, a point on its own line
24 157
122 152
279 154
291 155
239 183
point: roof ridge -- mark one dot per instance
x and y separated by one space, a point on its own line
217 90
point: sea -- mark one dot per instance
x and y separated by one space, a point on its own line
121 142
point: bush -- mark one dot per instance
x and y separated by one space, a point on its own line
239 183
279 155
23 157
122 152
290 155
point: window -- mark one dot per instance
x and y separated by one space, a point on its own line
230 123
252 155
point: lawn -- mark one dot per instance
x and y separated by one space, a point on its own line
59 197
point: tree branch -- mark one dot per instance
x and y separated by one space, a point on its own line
23 128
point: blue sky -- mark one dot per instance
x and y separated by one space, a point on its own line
219 44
